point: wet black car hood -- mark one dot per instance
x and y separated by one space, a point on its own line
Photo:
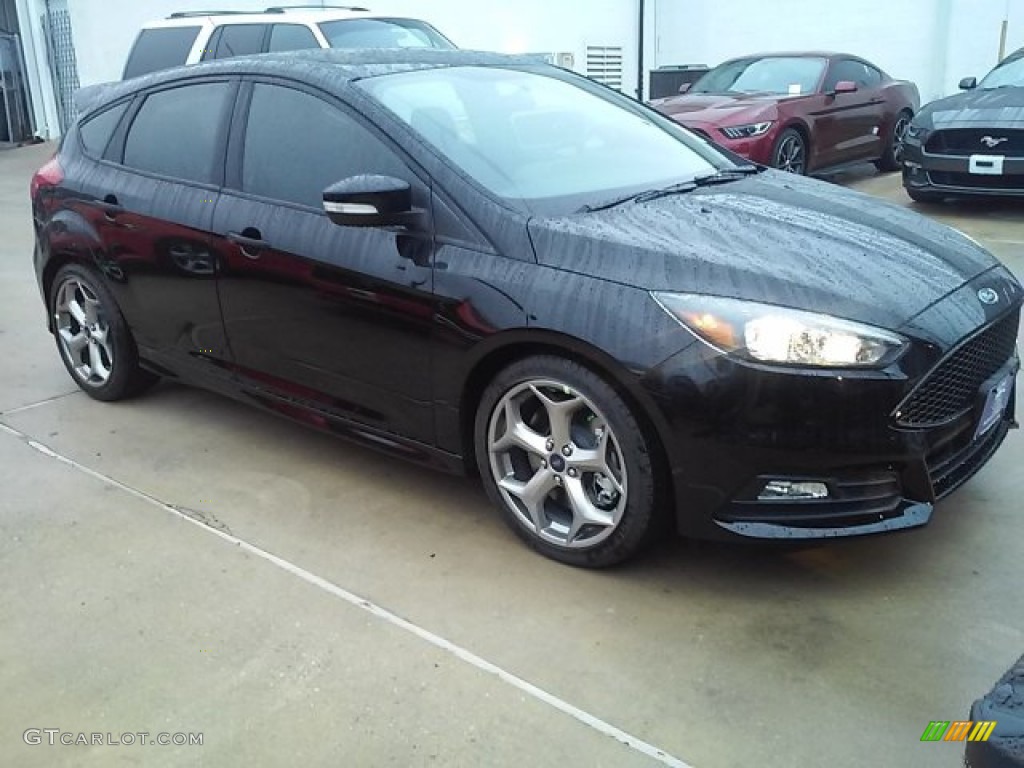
979 108
773 238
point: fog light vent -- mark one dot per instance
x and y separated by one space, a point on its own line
786 489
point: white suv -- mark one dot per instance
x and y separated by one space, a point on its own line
193 36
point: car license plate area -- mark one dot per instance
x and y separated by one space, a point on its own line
986 165
996 400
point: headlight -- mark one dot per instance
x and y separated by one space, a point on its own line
771 334
747 131
918 133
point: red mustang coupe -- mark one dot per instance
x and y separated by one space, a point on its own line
800 112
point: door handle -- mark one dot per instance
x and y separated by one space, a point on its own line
249 241
110 207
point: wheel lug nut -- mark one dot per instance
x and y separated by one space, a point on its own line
567 450
558 479
573 472
551 445
543 464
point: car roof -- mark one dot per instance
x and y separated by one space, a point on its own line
796 55
284 16
327 68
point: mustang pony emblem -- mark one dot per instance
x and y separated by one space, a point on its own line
992 142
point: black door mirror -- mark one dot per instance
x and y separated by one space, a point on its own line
370 201
685 87
968 84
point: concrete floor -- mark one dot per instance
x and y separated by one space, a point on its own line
118 614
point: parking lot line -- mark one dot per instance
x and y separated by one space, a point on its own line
32 406
467 656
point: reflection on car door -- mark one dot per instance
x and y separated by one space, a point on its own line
152 204
850 122
321 319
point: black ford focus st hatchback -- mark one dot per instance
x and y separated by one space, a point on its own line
498 267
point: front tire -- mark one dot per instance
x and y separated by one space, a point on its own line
92 337
790 152
892 158
567 463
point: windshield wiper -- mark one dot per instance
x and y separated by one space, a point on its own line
727 175
642 197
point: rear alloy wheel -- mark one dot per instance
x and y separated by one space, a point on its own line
566 462
92 337
790 153
892 159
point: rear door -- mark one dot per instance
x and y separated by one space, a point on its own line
851 122
327 318
151 201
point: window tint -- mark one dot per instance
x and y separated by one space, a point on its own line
176 132
239 40
292 37
854 71
97 131
157 49
297 145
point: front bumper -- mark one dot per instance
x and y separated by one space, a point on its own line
962 174
737 427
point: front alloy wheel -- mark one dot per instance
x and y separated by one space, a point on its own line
566 462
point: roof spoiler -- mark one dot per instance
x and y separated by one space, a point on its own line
92 95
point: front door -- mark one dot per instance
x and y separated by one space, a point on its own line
322 318
850 123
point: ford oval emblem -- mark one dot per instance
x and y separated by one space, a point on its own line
988 296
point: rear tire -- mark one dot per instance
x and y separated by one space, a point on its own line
892 159
93 338
566 462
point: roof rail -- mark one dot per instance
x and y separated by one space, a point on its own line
285 8
190 14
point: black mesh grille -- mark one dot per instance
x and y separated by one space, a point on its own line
976 180
975 141
952 387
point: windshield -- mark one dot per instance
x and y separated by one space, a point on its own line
789 75
528 136
1010 72
383 33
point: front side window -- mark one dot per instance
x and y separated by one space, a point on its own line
783 75
97 131
854 72
529 136
297 145
383 33
1009 73
177 132
239 40
157 49
292 37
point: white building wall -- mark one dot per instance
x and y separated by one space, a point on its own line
932 42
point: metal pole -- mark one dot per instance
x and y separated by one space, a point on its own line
3 87
1002 39
640 53
24 80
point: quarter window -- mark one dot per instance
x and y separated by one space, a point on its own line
177 132
97 131
297 145
292 37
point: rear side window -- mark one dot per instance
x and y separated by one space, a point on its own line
157 49
177 132
297 145
292 37
97 131
238 40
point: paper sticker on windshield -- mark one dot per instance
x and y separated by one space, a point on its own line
795 89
